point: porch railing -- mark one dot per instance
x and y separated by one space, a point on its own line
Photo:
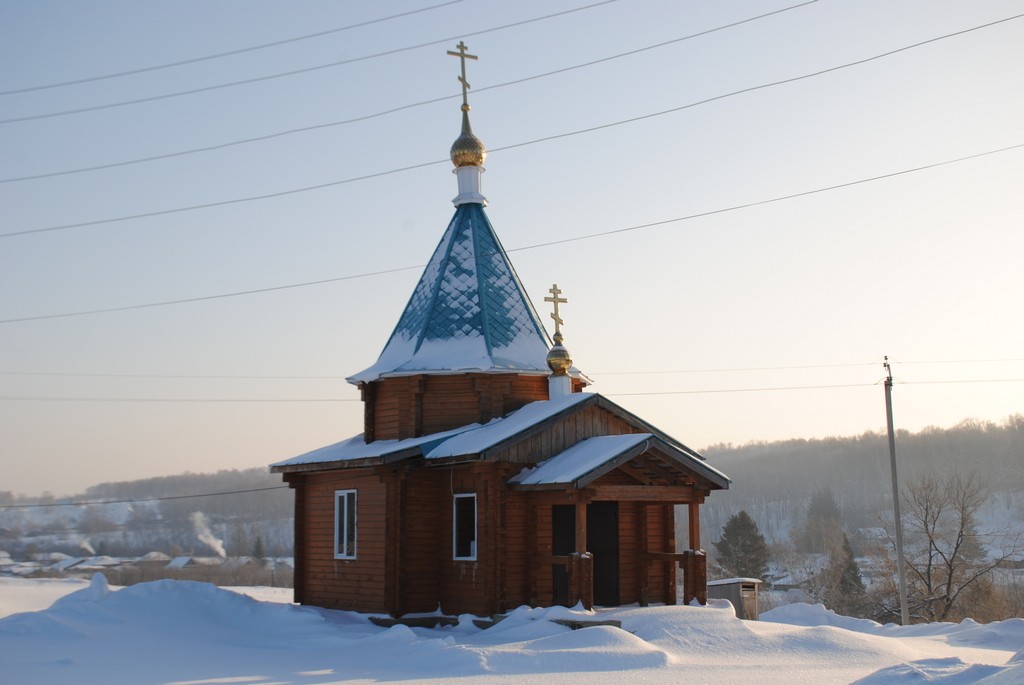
692 563
580 571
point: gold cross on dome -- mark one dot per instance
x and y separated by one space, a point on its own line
463 56
556 300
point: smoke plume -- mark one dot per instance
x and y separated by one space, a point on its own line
206 536
84 545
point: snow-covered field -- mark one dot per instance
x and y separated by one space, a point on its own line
184 633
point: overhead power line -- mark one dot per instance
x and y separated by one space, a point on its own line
779 198
257 377
970 380
134 500
957 361
698 391
305 70
222 203
660 372
589 236
393 110
809 387
202 298
65 374
726 390
749 368
329 184
173 400
227 53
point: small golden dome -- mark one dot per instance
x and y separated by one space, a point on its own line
468 150
559 360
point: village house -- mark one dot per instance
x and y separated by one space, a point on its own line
486 477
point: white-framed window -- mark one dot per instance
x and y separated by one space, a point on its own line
464 526
344 524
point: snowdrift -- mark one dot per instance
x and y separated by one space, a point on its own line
179 632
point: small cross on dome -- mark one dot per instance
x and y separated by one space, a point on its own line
556 300
463 56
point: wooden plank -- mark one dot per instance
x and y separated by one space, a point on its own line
643 493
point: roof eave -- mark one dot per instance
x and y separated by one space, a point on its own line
696 464
381 460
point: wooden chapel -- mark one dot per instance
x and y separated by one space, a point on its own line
485 477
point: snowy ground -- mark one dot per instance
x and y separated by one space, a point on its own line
185 633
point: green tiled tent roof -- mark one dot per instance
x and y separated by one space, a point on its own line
469 312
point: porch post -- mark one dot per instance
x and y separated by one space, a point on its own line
695 572
583 580
693 516
532 555
643 579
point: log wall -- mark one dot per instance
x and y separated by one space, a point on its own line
410 406
354 584
470 585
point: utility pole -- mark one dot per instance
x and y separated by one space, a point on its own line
904 610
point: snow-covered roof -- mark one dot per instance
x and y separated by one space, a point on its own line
23 568
186 561
102 560
733 581
498 431
153 557
179 562
581 459
65 564
590 459
580 463
468 313
476 438
49 556
355 448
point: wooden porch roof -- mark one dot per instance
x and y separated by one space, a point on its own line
646 458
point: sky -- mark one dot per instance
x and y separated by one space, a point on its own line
94 633
745 221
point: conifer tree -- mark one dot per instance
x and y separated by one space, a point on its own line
258 551
823 528
843 587
742 551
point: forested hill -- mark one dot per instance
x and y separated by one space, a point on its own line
774 481
224 512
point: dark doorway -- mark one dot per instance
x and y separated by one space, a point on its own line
603 543
563 543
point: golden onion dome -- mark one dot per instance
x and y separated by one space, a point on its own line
559 360
468 150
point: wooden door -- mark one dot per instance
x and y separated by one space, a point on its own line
603 543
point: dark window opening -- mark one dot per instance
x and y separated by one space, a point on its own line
465 527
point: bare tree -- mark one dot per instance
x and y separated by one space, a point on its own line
949 562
